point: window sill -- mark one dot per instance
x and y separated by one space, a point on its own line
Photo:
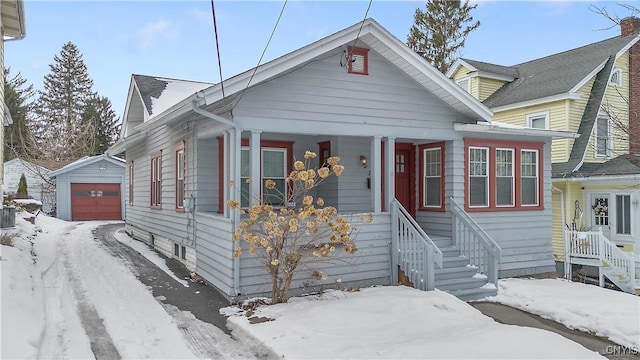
503 208
433 209
180 210
156 207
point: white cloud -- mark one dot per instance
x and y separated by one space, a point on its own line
149 35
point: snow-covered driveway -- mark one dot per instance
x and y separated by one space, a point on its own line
76 300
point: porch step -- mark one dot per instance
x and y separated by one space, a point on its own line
450 251
475 293
455 272
457 261
442 241
460 283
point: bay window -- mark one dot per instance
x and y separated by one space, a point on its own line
502 175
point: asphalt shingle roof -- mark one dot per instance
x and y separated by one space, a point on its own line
554 74
149 86
493 68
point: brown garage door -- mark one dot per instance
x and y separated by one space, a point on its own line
95 202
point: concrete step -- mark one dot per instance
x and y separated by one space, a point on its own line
457 261
475 293
461 283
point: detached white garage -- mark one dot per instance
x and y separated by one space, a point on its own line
90 189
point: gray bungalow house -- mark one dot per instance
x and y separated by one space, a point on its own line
452 194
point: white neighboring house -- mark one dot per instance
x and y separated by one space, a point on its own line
37 187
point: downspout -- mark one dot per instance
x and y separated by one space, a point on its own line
567 265
236 215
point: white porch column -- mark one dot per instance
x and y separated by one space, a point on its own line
226 148
254 155
389 176
376 176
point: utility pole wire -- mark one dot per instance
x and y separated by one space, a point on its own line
361 25
263 52
215 30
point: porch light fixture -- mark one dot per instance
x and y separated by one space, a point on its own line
363 161
102 168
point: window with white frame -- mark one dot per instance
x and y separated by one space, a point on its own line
623 214
616 77
529 177
478 176
156 180
432 182
274 167
603 136
538 120
180 167
465 83
504 177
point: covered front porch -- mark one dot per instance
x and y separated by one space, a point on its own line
438 247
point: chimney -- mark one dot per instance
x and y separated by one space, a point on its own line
629 26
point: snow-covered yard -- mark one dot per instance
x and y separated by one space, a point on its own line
47 290
607 313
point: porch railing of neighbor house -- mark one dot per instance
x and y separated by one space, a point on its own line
413 250
593 245
474 243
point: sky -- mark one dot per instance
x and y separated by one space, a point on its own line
175 39
62 291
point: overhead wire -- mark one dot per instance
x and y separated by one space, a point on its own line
361 25
255 69
215 30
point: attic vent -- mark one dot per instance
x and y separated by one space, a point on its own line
358 60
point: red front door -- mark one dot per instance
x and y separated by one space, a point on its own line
405 176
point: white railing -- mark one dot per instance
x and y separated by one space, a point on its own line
594 245
413 250
474 243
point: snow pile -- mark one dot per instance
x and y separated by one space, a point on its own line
588 308
392 322
22 297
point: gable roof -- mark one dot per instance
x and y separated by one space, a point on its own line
369 33
579 148
376 38
88 160
488 69
555 74
158 93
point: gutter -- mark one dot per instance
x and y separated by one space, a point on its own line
635 177
236 215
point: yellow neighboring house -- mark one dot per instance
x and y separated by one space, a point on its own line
12 27
591 90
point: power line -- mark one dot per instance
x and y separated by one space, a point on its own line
215 30
361 25
263 52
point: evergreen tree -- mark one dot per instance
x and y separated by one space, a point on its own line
101 124
439 33
22 192
67 91
18 140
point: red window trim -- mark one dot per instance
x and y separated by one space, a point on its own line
180 147
288 145
421 148
130 178
322 147
352 50
517 148
156 156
